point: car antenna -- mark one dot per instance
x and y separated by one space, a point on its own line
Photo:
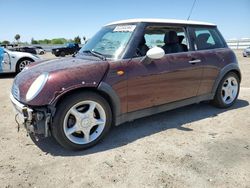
191 11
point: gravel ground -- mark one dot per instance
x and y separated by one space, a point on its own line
194 146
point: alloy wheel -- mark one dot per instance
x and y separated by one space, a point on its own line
229 90
23 64
84 122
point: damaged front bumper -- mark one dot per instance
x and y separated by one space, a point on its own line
36 121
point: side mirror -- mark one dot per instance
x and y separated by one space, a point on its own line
155 53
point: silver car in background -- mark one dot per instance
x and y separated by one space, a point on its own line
12 61
246 52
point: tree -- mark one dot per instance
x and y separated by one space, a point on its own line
44 41
77 40
5 42
47 41
58 41
17 37
33 41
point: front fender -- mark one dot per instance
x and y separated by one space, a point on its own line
61 83
65 75
113 97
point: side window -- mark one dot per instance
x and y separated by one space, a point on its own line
170 39
206 38
154 39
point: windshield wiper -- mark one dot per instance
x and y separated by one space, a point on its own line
96 54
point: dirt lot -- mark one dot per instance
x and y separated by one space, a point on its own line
194 146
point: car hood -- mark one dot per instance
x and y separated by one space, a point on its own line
65 74
24 54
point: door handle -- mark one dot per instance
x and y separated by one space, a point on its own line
194 61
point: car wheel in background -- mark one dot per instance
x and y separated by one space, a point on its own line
62 54
81 120
21 64
227 91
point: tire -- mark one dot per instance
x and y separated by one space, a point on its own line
227 91
62 54
42 53
75 119
22 63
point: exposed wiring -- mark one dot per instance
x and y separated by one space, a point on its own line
190 13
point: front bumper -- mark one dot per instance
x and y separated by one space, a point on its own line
34 121
23 113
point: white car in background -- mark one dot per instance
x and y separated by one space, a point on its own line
246 52
11 61
39 50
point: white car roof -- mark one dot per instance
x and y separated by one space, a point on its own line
170 21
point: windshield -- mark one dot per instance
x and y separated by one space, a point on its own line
110 41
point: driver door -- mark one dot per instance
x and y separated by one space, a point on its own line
172 78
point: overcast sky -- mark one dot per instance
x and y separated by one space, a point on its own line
42 19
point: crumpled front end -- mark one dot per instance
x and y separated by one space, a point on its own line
36 121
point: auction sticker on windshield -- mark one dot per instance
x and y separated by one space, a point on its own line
125 28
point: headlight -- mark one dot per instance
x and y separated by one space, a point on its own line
37 86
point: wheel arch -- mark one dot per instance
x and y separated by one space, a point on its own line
229 68
103 90
22 59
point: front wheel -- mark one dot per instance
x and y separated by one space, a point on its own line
81 120
227 91
62 54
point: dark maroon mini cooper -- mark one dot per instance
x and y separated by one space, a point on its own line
128 70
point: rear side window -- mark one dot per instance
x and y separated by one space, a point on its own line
207 38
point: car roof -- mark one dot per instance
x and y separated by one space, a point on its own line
169 21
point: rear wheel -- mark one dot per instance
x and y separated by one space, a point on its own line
227 91
81 120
